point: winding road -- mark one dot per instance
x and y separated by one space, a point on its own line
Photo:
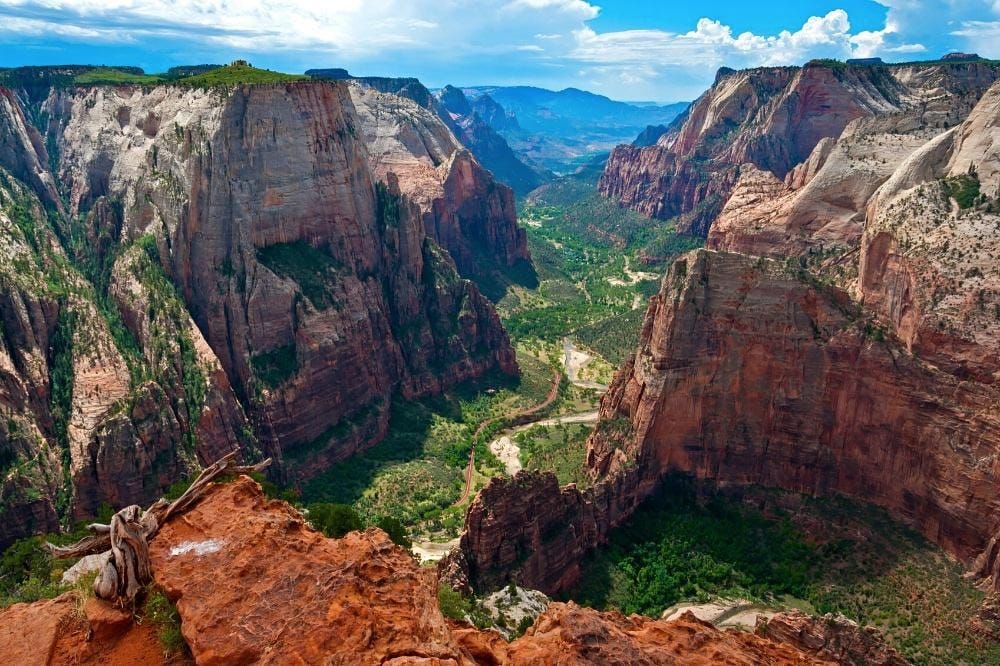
549 399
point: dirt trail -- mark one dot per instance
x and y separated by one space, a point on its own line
633 277
432 551
574 361
549 399
723 613
509 453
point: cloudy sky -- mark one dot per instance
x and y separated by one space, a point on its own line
627 49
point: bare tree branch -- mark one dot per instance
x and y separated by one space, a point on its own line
128 569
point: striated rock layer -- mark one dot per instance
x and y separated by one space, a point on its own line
927 262
748 372
229 271
773 118
464 209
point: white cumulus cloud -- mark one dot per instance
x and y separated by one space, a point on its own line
551 42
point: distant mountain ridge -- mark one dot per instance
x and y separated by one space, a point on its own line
539 109
454 109
562 130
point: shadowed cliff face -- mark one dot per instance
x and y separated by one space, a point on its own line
773 118
233 273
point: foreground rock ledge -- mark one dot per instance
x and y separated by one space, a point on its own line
255 585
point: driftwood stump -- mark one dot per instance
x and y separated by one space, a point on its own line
128 569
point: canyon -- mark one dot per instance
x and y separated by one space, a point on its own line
839 338
190 270
774 118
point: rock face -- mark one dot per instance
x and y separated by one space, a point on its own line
740 355
229 272
833 637
928 255
774 118
57 633
470 123
87 421
749 372
240 568
464 209
529 530
582 636
296 268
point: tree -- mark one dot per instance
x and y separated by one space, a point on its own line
334 520
127 568
395 530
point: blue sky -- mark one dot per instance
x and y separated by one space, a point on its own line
662 50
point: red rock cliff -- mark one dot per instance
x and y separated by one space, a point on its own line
254 584
773 118
320 295
748 372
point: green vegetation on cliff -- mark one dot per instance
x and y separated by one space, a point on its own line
237 74
314 270
112 76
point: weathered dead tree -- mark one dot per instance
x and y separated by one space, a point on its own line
127 569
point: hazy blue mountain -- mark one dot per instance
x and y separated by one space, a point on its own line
563 129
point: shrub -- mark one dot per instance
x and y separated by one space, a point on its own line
453 605
313 269
163 614
334 520
275 366
395 530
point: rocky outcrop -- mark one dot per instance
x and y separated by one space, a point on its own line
820 205
240 568
359 597
927 260
530 531
774 118
297 269
750 373
66 631
583 636
464 209
832 637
